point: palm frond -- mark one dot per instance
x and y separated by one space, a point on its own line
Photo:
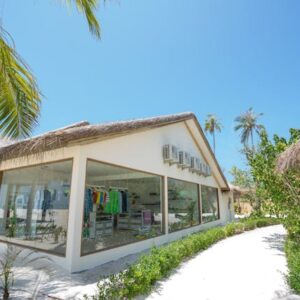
212 124
247 124
88 8
20 98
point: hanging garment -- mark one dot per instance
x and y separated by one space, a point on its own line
115 202
98 198
112 205
95 195
88 203
120 201
124 202
46 203
102 198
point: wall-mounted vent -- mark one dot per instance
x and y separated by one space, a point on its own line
206 170
203 169
170 154
184 159
195 164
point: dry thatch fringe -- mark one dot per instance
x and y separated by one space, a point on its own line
84 131
238 190
289 159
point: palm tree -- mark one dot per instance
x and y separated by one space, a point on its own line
20 98
248 124
212 124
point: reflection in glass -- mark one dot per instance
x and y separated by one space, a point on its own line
34 206
210 208
183 206
121 206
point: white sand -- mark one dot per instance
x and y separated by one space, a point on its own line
250 266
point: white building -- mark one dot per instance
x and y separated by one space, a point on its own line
87 194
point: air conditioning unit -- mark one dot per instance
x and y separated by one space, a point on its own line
207 170
195 164
202 169
184 159
170 154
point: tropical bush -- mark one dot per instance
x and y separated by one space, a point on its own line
279 194
292 250
140 277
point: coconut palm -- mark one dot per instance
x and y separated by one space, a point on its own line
20 98
247 123
212 124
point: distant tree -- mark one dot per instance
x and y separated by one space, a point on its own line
212 124
241 178
247 123
20 98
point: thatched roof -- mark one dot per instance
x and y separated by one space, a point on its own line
238 190
289 159
84 131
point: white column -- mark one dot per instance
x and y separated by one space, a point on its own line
166 207
200 202
76 211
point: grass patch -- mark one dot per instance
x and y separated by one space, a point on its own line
140 277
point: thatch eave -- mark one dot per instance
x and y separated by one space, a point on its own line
289 159
83 131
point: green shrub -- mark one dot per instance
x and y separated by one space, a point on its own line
233 228
292 250
249 224
262 222
140 277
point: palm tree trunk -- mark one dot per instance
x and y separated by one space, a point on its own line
252 141
214 140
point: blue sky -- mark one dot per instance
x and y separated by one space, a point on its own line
161 57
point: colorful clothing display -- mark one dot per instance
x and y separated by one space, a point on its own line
112 202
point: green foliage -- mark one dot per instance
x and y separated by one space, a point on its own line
19 95
250 224
20 98
241 178
244 180
140 277
88 8
292 250
278 194
234 228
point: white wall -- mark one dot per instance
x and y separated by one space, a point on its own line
141 151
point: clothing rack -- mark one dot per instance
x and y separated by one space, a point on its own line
95 186
118 188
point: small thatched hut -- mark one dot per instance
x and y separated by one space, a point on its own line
289 159
241 203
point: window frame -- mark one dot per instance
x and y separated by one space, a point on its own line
6 241
161 206
218 203
198 201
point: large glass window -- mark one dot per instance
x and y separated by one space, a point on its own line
183 204
121 206
210 206
34 206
